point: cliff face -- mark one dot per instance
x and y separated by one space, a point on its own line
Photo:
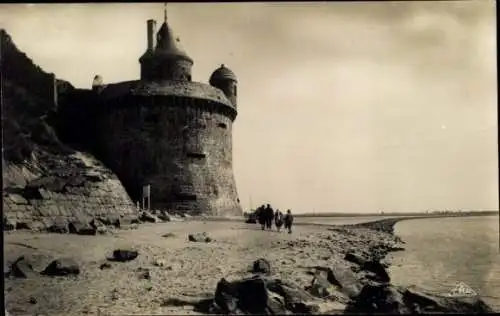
46 181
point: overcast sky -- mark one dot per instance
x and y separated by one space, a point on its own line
343 107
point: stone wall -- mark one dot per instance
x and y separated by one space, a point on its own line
166 69
181 146
62 190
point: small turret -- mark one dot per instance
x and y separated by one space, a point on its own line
225 79
167 61
97 83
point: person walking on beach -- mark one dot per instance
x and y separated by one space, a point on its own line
278 220
261 216
288 221
269 217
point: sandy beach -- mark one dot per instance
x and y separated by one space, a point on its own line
173 275
178 268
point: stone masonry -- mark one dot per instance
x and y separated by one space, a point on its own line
78 190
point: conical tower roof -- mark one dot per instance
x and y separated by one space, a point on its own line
167 44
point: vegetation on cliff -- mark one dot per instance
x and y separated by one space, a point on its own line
47 183
28 106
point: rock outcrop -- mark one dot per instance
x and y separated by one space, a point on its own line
66 197
48 185
267 296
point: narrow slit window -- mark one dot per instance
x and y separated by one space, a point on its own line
196 155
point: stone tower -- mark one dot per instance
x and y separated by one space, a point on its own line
170 132
224 79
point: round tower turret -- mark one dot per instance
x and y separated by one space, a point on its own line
166 61
225 79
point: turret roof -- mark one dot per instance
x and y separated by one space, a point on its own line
167 44
223 73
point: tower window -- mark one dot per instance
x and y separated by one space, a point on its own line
235 90
196 155
222 125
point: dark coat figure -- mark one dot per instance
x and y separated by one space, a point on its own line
278 220
288 221
261 216
269 216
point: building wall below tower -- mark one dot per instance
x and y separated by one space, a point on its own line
182 147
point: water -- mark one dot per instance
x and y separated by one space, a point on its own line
441 252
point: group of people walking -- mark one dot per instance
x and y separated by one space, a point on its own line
266 215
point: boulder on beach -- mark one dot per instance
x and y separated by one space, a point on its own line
388 299
22 268
20 224
290 292
62 267
344 278
247 296
164 216
127 222
59 226
355 257
258 295
148 217
378 299
81 227
377 271
123 255
261 266
472 304
321 288
110 220
199 237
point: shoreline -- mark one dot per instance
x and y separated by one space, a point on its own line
449 214
384 217
355 255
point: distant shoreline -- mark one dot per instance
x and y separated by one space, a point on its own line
426 215
387 224
392 218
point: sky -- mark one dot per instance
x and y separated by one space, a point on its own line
343 107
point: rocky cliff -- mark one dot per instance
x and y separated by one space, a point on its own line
47 184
